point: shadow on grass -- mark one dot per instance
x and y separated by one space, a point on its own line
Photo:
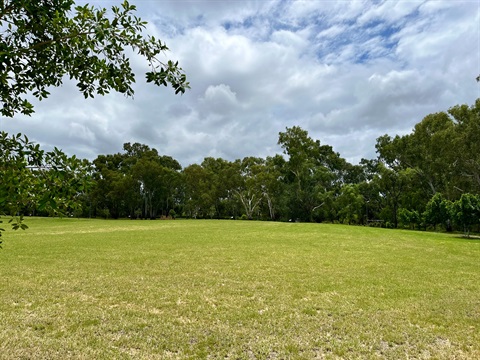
467 238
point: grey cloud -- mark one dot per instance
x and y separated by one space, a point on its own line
280 64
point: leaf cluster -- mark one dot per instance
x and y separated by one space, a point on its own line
42 42
35 179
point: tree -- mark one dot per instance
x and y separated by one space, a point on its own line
308 177
272 187
428 151
34 180
198 197
113 187
138 182
409 217
466 145
249 189
393 186
43 41
437 211
466 212
350 204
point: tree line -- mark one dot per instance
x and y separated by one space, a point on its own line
427 178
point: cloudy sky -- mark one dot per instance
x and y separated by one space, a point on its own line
346 71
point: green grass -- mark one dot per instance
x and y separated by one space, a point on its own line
93 289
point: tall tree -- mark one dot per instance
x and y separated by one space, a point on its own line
393 186
198 197
467 145
223 178
272 187
350 204
250 187
108 195
314 172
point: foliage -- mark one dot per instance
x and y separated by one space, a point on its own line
351 204
41 42
438 210
250 189
35 180
409 217
442 156
313 173
393 185
466 212
136 183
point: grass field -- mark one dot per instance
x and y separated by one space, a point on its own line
93 289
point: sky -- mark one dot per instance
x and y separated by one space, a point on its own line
345 71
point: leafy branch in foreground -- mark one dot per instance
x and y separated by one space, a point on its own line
35 180
41 42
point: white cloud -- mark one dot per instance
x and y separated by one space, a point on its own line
331 32
290 39
390 11
347 72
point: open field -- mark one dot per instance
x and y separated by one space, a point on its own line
93 289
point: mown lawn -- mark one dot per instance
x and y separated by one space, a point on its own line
93 289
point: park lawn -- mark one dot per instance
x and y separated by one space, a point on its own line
197 289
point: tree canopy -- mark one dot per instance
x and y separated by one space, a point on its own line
42 42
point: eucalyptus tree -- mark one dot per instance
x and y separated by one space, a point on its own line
393 186
466 146
273 186
197 198
429 152
137 182
147 173
350 204
249 190
314 173
223 179
108 195
302 173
